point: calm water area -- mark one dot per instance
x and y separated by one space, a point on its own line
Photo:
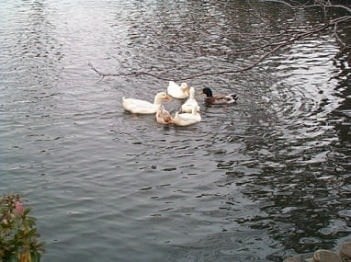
261 180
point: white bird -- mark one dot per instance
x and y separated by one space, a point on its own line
178 91
186 119
191 102
138 106
163 116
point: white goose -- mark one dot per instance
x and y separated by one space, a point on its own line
186 119
138 106
191 102
178 91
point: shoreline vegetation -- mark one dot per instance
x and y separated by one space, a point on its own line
19 239
341 254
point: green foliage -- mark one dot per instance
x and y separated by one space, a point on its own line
19 240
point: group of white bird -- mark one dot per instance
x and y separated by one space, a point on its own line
189 113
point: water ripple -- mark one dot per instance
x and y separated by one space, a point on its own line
102 181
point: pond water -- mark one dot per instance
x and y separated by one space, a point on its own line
260 180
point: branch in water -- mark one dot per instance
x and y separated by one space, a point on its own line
135 73
274 48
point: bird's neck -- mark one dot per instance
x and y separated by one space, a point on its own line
157 101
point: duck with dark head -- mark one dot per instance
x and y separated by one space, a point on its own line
218 99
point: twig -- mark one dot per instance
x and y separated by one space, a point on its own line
275 46
136 74
280 2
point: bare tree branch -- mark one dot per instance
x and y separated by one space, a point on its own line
280 2
287 38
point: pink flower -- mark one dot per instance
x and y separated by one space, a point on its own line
19 208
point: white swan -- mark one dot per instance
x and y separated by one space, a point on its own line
186 119
163 116
190 102
178 91
138 106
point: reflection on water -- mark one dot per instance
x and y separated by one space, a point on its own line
257 181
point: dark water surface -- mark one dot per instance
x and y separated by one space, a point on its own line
258 181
